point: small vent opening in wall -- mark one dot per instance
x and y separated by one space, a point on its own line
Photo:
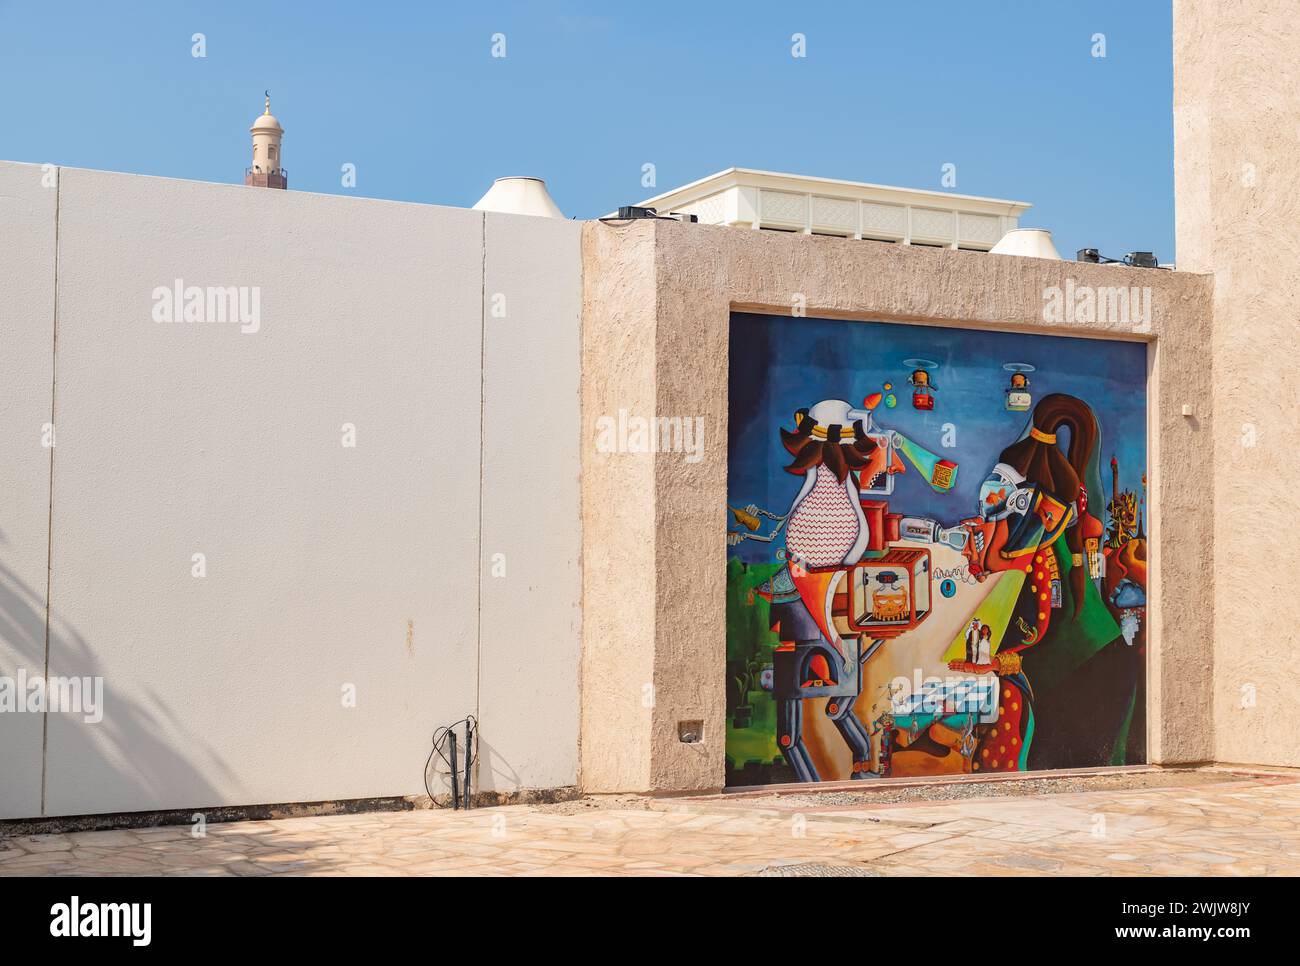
690 732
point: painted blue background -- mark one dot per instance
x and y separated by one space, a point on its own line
781 364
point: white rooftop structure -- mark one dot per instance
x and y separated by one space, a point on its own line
747 198
519 196
1029 242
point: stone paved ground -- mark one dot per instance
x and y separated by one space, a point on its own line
1249 827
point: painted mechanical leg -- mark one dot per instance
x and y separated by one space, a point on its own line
789 735
840 711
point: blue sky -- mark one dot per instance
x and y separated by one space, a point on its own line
777 368
589 92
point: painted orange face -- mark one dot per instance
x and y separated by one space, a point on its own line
984 547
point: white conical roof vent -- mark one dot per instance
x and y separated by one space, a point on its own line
519 196
1029 242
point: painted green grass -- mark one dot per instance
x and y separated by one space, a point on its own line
750 642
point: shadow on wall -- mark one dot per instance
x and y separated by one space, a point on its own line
502 773
140 743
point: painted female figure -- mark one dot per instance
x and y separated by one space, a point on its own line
1029 529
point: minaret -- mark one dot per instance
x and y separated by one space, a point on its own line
266 171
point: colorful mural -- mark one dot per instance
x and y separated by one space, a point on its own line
937 558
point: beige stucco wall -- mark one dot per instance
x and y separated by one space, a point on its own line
656 308
619 527
1236 104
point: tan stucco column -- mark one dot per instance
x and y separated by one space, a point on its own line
1237 168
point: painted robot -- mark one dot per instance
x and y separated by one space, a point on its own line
825 532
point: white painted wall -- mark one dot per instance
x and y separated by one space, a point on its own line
184 438
532 614
27 221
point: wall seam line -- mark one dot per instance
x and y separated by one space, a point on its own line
482 414
49 518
